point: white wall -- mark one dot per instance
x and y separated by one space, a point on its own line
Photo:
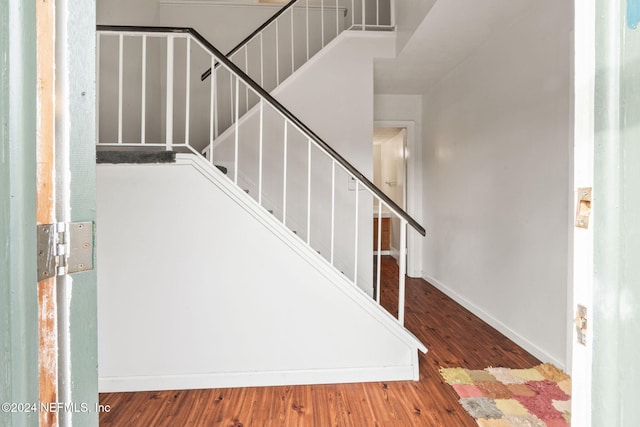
200 289
497 135
409 15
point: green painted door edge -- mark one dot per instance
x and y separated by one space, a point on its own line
18 282
616 209
83 361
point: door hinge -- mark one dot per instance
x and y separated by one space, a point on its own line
64 248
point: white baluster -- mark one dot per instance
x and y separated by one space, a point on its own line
237 128
333 207
277 54
260 145
378 267
284 176
353 13
364 14
98 38
293 56
231 96
120 84
211 109
246 63
355 257
337 18
143 95
261 60
307 13
188 92
214 77
309 193
322 20
169 107
392 13
403 270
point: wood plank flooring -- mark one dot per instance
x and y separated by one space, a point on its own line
454 337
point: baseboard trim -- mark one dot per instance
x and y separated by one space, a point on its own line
497 324
257 379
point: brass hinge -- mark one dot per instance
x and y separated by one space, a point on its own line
64 248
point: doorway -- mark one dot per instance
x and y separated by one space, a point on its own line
389 174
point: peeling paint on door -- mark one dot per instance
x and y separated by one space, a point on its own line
633 13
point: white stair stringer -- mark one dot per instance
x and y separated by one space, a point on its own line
200 287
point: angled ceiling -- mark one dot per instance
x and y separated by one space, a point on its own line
450 32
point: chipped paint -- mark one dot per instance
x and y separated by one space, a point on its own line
633 14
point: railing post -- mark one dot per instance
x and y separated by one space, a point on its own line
169 106
402 262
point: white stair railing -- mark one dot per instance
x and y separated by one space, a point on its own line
146 99
299 30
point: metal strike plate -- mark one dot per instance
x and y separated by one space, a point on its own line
80 247
581 324
583 210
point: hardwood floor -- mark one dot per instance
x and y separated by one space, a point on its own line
454 337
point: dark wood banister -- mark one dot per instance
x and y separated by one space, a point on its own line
247 39
275 104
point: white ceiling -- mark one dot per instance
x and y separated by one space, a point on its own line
450 32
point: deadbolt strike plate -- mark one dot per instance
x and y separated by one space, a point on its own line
583 210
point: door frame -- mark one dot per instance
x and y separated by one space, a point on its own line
413 190
581 239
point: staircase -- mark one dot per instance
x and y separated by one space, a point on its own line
276 166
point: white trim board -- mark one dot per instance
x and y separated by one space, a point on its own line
256 379
496 324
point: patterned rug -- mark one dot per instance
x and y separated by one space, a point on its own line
502 397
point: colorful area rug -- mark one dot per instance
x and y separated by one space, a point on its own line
502 397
